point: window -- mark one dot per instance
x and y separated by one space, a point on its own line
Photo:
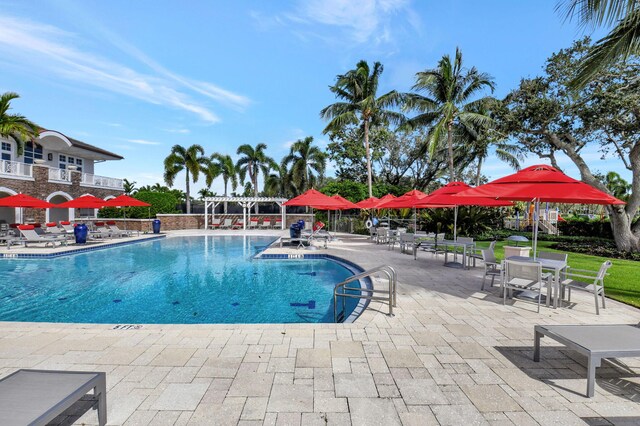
32 151
6 151
79 161
6 156
6 146
70 160
63 158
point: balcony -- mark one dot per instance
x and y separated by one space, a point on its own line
59 175
101 181
14 169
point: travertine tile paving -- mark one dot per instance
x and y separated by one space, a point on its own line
451 355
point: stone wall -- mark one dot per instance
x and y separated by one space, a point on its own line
172 222
40 187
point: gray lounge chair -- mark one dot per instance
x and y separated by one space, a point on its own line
596 342
29 235
36 397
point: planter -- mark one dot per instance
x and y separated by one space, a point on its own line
516 251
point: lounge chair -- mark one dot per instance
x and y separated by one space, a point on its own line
596 342
215 223
53 229
238 225
254 223
36 397
227 224
277 224
29 235
66 225
100 231
589 281
266 224
111 226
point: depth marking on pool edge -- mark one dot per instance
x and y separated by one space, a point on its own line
127 327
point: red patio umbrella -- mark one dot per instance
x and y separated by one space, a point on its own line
407 200
126 201
314 199
540 183
24 201
444 197
84 202
346 204
369 203
384 199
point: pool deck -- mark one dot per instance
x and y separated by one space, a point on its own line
451 355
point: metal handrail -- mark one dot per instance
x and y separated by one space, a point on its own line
391 297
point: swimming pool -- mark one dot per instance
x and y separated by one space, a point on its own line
177 280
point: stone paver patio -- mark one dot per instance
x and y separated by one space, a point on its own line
451 355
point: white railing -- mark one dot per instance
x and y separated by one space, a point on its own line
101 181
59 175
15 168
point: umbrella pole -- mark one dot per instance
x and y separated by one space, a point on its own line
455 223
415 220
536 217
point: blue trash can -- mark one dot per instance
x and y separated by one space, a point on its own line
80 231
301 224
294 230
156 226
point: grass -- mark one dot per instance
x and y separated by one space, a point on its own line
622 283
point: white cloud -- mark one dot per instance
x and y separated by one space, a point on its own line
47 49
143 142
179 130
363 21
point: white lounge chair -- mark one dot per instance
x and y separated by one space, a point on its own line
66 225
238 225
277 224
266 224
226 224
254 223
111 226
215 223
29 235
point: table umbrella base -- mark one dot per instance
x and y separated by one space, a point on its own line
454 265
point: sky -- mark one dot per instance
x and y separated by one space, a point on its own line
138 77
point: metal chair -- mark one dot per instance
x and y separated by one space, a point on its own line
553 255
593 282
382 236
491 266
406 241
524 276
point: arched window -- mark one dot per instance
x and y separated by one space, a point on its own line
32 151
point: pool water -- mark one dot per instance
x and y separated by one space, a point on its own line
179 280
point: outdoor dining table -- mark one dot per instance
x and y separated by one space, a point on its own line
557 266
446 245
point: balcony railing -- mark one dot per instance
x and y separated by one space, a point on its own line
14 168
101 181
59 175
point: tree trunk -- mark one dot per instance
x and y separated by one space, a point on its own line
452 169
255 188
478 172
225 194
624 237
366 147
187 192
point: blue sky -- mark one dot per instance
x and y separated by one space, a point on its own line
138 77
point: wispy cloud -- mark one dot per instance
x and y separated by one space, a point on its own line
181 131
47 49
361 21
143 142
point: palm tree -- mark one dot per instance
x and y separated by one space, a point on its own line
205 192
619 187
360 105
15 126
307 162
621 42
279 182
447 106
252 161
227 171
128 186
191 160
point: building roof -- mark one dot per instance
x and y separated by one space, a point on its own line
85 146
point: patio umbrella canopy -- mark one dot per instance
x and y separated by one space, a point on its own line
540 183
369 203
384 199
84 202
125 201
26 201
346 204
316 200
408 200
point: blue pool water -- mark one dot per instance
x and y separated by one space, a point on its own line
183 280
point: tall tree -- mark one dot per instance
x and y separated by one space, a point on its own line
191 160
252 161
307 162
622 41
619 187
128 186
449 103
279 182
15 126
360 105
228 172
549 117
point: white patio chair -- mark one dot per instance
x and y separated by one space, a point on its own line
215 223
492 267
591 281
266 224
476 254
277 224
553 255
525 277
226 224
254 223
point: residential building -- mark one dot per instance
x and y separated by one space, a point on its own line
55 168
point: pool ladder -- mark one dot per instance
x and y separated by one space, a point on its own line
365 293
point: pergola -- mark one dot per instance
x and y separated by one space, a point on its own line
247 203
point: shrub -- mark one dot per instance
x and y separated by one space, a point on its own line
602 248
586 227
161 202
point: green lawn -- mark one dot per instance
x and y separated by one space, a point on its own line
622 283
